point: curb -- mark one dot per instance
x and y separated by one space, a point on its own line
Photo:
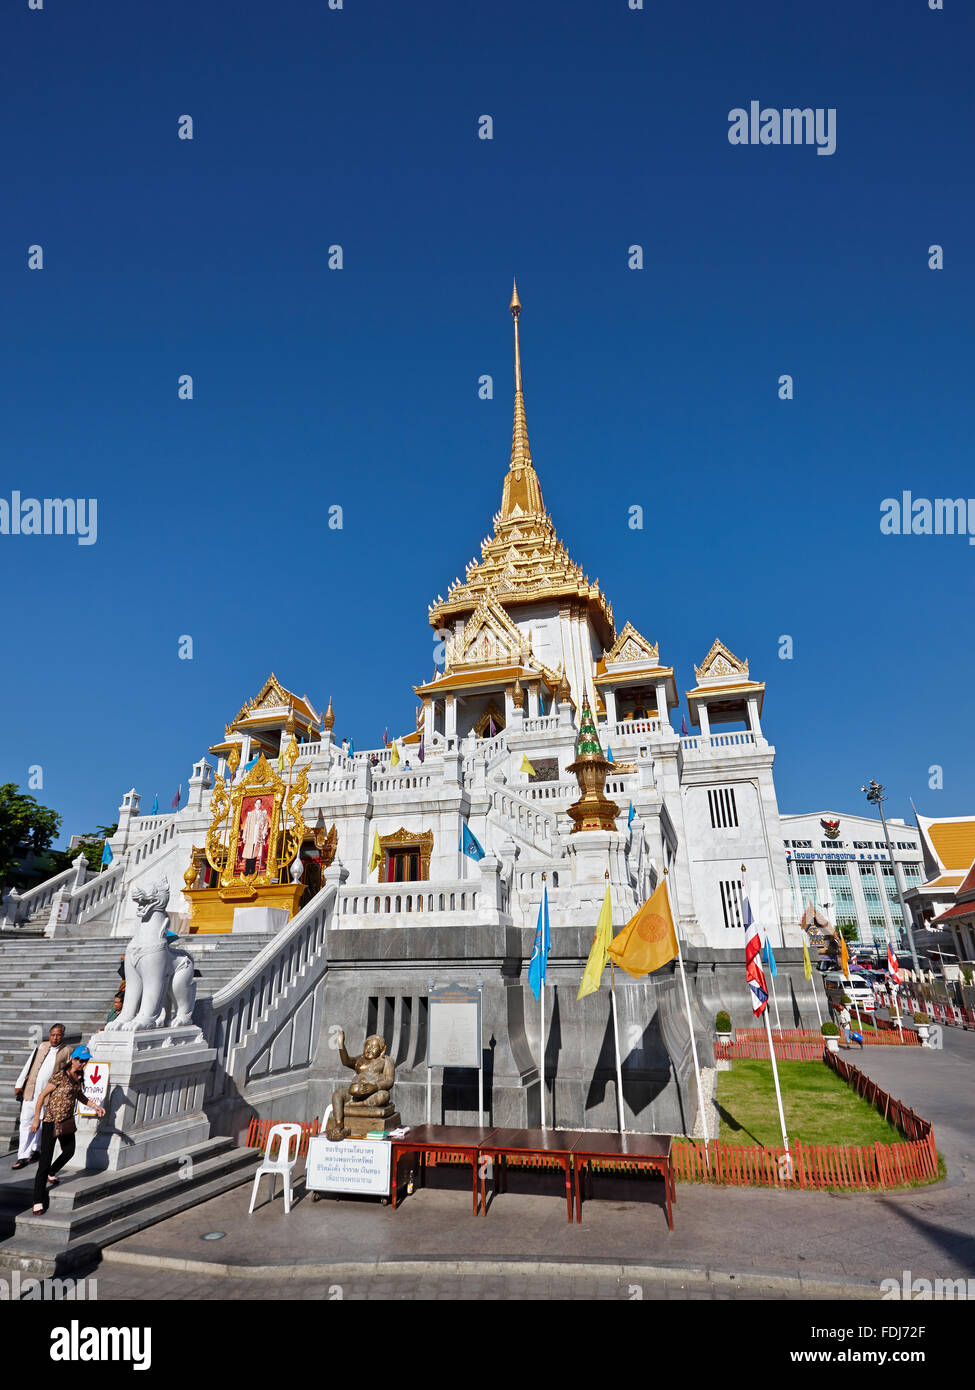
810 1286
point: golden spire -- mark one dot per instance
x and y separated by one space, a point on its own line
328 721
522 490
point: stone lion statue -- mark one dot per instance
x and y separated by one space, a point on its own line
154 969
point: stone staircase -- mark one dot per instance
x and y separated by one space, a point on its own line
73 982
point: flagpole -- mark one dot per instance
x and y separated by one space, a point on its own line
541 1006
616 1039
690 1024
812 986
771 981
775 1070
775 1078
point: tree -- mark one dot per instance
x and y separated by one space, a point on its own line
92 846
26 829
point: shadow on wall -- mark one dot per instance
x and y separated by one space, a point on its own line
644 1062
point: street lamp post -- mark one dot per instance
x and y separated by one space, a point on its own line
875 794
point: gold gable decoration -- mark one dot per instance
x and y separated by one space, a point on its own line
721 662
489 638
631 645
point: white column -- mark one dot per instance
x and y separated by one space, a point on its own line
609 695
450 716
533 701
753 723
663 714
703 720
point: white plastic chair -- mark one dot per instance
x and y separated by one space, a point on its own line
280 1156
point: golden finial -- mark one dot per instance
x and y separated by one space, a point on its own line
328 721
521 486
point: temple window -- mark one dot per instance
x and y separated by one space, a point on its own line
402 866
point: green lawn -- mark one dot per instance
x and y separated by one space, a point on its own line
819 1107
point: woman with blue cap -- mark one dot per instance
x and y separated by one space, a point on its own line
60 1095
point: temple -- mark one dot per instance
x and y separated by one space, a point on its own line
350 870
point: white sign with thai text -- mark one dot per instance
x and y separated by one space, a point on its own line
96 1087
350 1165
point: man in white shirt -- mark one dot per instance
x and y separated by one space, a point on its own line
37 1072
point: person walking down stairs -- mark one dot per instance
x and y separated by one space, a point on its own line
61 1094
37 1072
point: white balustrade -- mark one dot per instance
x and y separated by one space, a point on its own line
740 738
623 727
541 724
237 1017
392 899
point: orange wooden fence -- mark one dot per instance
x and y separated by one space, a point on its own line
856 1166
259 1129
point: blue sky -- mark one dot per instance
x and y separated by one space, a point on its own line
358 387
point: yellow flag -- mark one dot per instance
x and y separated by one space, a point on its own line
526 766
394 756
844 955
648 940
281 761
376 858
806 963
596 963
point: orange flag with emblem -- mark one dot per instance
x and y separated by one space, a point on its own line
648 940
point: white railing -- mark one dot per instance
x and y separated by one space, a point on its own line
622 727
345 783
541 724
157 836
308 750
703 742
233 1018
37 899
97 893
551 791
402 781
517 810
389 899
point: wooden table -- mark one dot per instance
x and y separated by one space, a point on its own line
551 1146
629 1150
453 1139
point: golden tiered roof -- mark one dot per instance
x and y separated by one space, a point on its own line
523 561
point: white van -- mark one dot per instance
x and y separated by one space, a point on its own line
856 988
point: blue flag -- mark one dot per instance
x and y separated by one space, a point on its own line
351 749
609 754
107 855
469 845
629 819
155 804
768 958
541 703
539 961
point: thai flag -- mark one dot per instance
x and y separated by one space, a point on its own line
753 968
892 966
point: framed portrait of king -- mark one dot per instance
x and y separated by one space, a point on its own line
257 815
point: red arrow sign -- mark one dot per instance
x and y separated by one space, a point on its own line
94 1076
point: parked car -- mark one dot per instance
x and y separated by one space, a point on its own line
856 988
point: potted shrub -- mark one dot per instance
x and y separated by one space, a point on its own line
831 1034
722 1028
922 1022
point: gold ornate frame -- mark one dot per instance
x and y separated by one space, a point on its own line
287 803
405 839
